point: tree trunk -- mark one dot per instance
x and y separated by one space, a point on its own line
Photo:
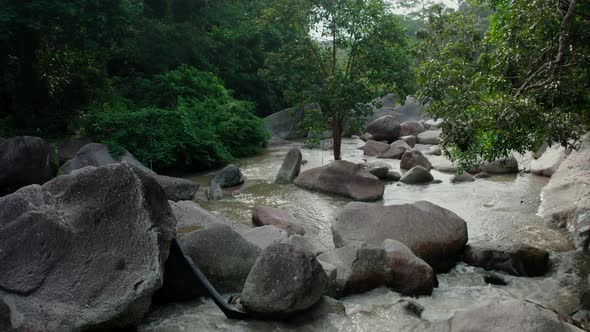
337 136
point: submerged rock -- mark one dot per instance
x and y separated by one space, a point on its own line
214 192
24 160
84 251
509 315
433 233
515 258
342 178
290 168
417 175
385 128
284 280
266 215
229 176
463 177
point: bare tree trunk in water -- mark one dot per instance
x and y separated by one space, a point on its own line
337 136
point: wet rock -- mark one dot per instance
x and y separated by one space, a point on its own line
290 168
362 267
301 242
494 279
393 176
214 192
411 128
230 176
411 140
549 162
463 177
265 215
481 175
264 236
412 307
222 254
284 280
429 137
342 178
286 124
385 128
396 150
379 171
566 198
417 175
433 233
374 148
177 189
24 160
585 300
514 258
85 250
436 181
509 315
507 165
412 158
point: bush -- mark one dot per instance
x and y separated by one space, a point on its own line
193 122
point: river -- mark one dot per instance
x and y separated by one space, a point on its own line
498 208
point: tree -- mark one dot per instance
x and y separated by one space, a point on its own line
346 53
524 84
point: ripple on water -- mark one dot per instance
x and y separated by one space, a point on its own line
499 208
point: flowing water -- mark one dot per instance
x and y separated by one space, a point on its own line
499 208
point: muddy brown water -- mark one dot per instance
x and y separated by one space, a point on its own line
498 208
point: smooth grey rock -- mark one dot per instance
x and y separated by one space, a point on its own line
367 137
385 128
177 189
222 254
214 192
286 124
412 158
342 178
97 155
264 236
229 176
84 251
24 160
393 176
374 148
463 177
411 128
429 137
379 171
411 140
284 281
301 242
433 124
266 215
417 175
290 168
509 315
549 162
191 217
433 233
396 150
515 258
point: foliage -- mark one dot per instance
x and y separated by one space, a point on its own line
193 123
509 91
345 54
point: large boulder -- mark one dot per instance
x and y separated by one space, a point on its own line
385 128
412 109
515 258
417 175
506 165
85 250
412 158
68 149
411 128
433 233
509 315
396 150
411 140
286 124
264 236
284 280
266 215
566 198
361 267
374 148
229 176
342 178
97 155
463 177
24 160
549 162
290 168
222 254
429 137
177 189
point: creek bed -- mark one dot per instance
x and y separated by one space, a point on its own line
501 207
